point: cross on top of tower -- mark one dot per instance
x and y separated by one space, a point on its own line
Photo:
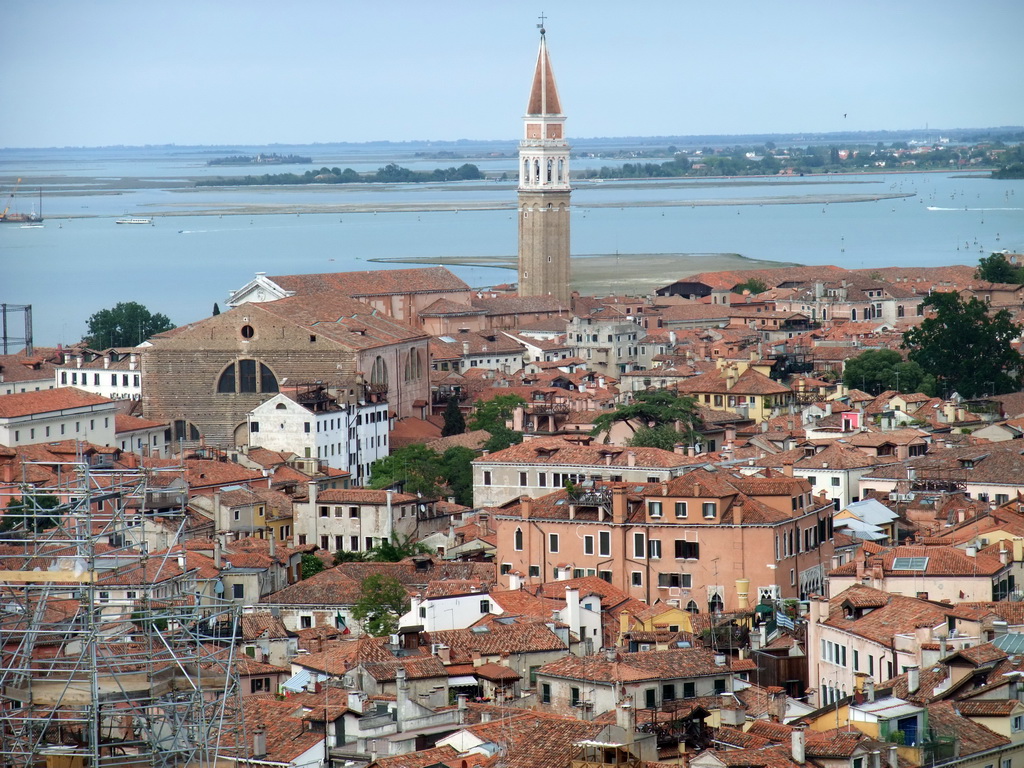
540 26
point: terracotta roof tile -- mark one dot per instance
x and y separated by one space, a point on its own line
46 400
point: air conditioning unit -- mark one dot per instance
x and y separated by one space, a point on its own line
673 603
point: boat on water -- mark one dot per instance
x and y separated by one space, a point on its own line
9 217
135 220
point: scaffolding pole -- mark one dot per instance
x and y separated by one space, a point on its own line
110 657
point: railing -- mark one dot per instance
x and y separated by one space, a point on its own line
541 409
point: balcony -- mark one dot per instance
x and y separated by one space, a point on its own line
547 409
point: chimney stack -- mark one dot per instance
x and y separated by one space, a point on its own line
913 678
799 744
259 742
869 689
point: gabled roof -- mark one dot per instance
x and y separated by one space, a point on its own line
47 401
669 664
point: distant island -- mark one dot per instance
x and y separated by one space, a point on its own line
391 173
1012 164
261 159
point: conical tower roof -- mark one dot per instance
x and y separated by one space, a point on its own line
544 95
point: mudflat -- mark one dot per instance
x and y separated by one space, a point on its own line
627 274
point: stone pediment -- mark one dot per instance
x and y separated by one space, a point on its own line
260 289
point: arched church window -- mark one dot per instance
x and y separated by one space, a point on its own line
246 376
561 170
518 544
526 169
536 171
692 607
379 372
550 168
413 365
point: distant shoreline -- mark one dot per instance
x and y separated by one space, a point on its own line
158 211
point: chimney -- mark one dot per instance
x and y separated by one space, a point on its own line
869 689
311 493
220 524
515 580
893 756
625 716
525 507
875 759
619 505
273 543
218 555
1004 556
913 678
799 743
743 594
259 742
630 458
461 707
572 609
787 467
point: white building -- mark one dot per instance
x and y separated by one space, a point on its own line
450 605
143 436
116 373
327 424
611 346
355 519
66 413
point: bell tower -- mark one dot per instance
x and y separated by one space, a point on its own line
544 188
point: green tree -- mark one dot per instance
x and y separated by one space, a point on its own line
751 284
345 556
492 414
128 324
501 438
30 512
458 469
878 370
311 565
965 348
996 269
663 436
382 601
658 408
414 468
454 422
396 548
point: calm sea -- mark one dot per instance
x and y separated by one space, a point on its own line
80 261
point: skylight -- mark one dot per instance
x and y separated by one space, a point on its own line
910 563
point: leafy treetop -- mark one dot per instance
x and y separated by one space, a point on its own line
128 324
967 349
670 415
994 268
878 370
381 603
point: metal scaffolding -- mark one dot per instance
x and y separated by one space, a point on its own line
109 656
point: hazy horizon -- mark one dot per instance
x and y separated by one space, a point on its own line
257 73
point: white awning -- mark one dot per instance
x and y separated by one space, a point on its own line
462 680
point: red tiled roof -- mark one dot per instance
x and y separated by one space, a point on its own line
46 401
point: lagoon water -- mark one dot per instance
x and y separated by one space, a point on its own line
200 247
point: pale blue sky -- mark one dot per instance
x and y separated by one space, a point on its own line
74 72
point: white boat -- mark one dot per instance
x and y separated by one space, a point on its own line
135 220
